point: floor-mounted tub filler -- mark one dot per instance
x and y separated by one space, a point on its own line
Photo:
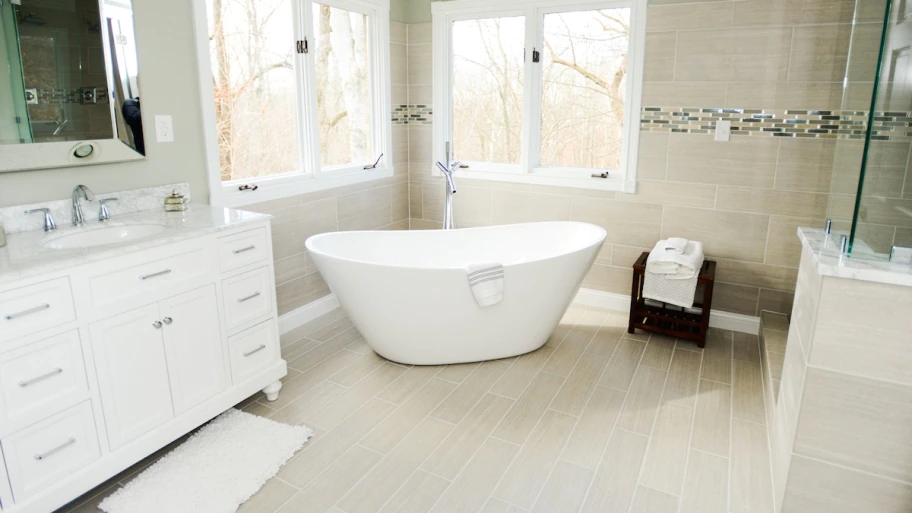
408 294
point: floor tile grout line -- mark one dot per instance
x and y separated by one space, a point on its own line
578 417
651 433
614 428
693 426
397 444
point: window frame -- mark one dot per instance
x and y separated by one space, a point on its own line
530 170
312 176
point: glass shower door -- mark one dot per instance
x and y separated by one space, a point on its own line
14 120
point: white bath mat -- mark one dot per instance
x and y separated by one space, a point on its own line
215 470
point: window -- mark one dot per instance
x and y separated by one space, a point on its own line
543 92
300 95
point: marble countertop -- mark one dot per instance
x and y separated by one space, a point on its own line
868 267
25 256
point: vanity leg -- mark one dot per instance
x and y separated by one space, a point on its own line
272 391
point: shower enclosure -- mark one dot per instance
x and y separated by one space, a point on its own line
871 185
14 120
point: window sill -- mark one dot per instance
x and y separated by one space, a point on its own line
288 186
612 183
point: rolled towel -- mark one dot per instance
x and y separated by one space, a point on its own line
675 266
676 244
486 282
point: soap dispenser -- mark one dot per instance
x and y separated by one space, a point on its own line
176 202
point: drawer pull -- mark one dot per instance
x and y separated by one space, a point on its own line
42 377
27 312
257 350
57 449
248 248
153 275
251 296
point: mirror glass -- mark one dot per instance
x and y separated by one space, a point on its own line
68 72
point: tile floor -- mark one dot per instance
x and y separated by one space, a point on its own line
597 420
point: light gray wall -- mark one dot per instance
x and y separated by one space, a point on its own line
399 10
169 82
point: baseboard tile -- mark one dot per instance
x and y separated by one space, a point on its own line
304 314
718 319
621 302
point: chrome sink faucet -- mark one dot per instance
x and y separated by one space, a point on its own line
86 193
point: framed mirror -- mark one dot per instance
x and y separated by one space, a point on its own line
69 84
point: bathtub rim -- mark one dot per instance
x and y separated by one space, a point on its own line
597 241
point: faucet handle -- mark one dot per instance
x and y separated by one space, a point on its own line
49 223
103 214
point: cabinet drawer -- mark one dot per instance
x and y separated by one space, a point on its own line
247 297
50 450
151 278
245 248
253 350
34 308
41 379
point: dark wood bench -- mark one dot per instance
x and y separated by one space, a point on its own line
669 319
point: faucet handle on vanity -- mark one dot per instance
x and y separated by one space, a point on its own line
49 223
103 214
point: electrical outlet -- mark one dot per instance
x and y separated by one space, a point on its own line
164 129
723 130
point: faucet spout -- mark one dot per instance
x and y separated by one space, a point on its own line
450 191
86 193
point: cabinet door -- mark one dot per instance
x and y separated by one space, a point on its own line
132 374
193 345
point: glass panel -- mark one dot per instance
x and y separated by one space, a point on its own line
584 88
14 120
883 215
343 86
255 87
488 89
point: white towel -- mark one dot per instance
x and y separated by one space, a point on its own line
676 244
487 283
671 277
678 266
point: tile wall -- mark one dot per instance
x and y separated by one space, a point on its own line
381 204
840 424
745 198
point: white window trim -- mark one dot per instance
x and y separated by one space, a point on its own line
623 179
311 177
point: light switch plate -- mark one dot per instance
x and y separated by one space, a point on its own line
164 129
723 130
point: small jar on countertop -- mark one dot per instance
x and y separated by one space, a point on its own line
176 202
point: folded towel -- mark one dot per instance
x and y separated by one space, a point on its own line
676 244
671 277
487 283
678 292
680 266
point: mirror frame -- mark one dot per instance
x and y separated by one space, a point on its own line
52 155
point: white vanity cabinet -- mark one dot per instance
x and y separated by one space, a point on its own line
105 362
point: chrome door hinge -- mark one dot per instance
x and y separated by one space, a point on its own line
302 46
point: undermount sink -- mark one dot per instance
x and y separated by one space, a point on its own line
104 236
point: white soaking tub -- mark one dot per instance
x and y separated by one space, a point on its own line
408 294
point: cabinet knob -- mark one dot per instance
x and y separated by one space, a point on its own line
157 325
167 320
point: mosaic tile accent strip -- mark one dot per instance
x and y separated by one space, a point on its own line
818 124
62 96
412 114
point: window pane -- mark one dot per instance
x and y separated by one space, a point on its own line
254 83
343 86
488 89
584 88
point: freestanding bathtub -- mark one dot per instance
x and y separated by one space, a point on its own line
408 294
